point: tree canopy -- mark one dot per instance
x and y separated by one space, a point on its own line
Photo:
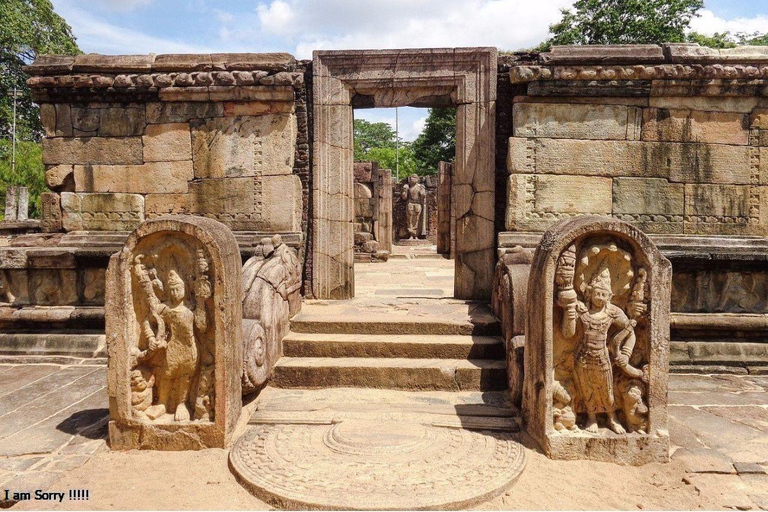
624 22
437 142
27 28
375 142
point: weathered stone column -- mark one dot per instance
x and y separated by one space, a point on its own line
173 323
384 198
23 208
597 343
11 203
474 196
444 172
333 274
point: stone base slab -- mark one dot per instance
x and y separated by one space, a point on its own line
630 450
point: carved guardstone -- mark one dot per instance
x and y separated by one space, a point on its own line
173 322
597 347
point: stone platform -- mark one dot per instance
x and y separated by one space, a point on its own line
376 450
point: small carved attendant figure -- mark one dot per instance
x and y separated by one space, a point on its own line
593 373
142 381
415 193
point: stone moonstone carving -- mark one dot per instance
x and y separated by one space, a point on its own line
173 317
596 361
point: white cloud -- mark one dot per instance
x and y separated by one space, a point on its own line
278 18
414 129
115 5
345 24
95 35
708 23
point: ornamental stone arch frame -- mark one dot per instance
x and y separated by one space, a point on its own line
440 77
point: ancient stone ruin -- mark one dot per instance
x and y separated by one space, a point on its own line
373 212
173 335
271 282
597 343
223 189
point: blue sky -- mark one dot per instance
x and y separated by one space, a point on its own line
299 26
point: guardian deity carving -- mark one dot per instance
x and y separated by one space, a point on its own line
599 342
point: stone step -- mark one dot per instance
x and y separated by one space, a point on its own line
480 325
390 373
398 345
61 344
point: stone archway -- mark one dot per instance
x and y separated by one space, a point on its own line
342 80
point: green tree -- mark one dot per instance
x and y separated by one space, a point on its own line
371 135
29 172
727 40
28 28
386 158
437 142
623 22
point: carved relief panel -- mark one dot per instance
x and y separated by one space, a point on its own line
174 335
596 360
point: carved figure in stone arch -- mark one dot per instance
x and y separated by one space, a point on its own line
6 295
172 331
416 195
601 363
142 382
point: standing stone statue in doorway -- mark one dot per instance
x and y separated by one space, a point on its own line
416 195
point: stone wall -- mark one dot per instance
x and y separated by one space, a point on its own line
130 138
672 139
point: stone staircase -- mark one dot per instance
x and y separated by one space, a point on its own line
392 350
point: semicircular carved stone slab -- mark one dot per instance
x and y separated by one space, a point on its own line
369 464
271 296
596 360
173 318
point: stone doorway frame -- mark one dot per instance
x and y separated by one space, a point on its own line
436 77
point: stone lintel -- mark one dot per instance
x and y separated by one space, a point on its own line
117 64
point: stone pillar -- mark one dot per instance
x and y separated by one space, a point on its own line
23 208
333 274
474 196
444 171
11 203
597 343
173 324
384 198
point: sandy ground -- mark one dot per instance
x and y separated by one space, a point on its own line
202 480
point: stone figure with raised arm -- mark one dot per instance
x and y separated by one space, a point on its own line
596 354
173 348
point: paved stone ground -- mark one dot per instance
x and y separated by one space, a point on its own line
431 278
53 418
53 425
53 430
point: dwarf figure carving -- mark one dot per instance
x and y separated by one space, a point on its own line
563 416
142 382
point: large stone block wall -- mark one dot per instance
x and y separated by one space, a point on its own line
130 138
672 139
